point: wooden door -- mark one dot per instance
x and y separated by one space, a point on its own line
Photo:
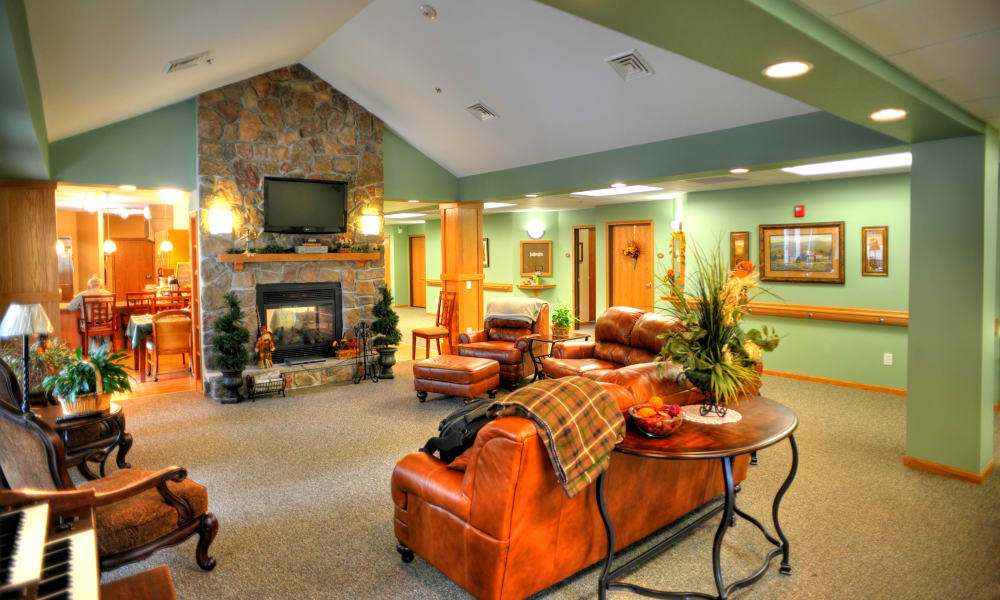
585 273
132 266
630 284
195 297
418 271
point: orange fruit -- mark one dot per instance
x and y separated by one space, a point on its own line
656 402
645 411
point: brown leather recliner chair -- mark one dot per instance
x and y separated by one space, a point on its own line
504 528
622 336
505 341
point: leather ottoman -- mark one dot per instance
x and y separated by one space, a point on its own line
452 375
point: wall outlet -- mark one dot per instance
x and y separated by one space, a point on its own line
887 359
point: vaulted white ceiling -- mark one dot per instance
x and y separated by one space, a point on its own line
543 71
102 61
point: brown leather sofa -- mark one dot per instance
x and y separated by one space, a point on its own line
504 528
622 336
505 341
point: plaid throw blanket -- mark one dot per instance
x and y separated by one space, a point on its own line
579 424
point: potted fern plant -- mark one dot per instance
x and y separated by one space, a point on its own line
85 385
230 342
387 333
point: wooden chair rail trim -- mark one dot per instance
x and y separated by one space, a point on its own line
239 260
871 316
497 287
30 297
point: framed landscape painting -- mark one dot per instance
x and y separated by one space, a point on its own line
875 251
739 247
805 253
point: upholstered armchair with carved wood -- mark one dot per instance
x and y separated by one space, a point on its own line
138 512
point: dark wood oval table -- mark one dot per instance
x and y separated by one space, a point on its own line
764 423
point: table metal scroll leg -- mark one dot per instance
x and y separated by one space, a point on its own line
753 457
786 567
724 524
534 362
602 582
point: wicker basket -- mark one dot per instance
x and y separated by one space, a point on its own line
98 401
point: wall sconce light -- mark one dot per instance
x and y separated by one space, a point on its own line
166 246
169 195
220 221
109 246
370 224
535 230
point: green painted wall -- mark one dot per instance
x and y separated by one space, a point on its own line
850 352
24 142
411 175
761 145
953 362
157 149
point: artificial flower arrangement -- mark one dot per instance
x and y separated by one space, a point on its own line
718 357
346 348
631 250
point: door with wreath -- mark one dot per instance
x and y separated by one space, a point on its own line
630 277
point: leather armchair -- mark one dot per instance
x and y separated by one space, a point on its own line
504 528
505 341
623 336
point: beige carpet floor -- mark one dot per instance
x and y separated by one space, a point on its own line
301 489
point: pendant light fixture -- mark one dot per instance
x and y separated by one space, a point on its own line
109 244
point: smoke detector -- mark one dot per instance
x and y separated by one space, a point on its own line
188 61
428 11
630 65
481 112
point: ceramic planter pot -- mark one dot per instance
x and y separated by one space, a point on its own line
232 381
560 331
386 359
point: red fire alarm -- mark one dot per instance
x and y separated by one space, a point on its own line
800 210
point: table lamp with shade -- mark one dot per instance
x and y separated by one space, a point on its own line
25 320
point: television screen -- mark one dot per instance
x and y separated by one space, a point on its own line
304 206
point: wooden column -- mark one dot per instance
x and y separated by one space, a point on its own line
29 269
462 264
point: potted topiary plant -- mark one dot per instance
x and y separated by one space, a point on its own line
387 333
86 385
562 321
231 343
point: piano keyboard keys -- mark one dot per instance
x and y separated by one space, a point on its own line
24 542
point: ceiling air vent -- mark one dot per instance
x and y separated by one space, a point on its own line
717 180
481 112
188 61
630 65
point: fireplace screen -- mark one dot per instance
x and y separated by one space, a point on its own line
293 325
304 318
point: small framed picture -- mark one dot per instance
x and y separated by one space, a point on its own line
875 251
739 247
486 252
802 252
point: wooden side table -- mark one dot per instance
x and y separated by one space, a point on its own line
90 439
764 423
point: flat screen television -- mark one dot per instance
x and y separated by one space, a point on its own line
304 205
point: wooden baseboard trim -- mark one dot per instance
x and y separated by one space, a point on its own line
839 382
947 471
401 306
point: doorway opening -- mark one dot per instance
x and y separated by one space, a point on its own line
585 273
418 271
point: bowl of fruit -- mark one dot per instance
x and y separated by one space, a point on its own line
655 419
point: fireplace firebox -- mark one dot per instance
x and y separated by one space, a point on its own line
304 318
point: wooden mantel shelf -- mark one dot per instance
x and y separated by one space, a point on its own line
536 288
239 260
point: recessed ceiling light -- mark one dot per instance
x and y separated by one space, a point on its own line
413 201
888 114
629 189
531 195
786 70
126 187
739 170
617 184
868 163
428 11
405 215
489 205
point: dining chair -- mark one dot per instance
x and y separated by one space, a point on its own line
164 303
183 295
99 320
137 303
171 335
442 325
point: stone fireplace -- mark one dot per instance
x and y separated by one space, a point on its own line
285 123
304 318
